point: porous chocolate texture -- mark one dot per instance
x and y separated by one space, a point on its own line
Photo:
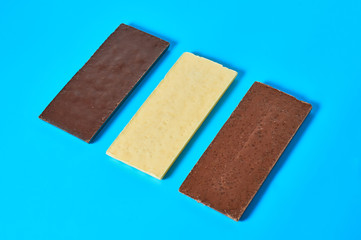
236 163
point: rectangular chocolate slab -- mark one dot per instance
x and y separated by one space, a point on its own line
97 89
243 153
170 116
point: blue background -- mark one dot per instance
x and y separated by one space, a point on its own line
54 186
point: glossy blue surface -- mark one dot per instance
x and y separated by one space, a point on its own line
55 186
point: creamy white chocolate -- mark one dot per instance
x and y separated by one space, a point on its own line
170 116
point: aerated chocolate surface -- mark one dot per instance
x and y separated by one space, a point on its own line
241 156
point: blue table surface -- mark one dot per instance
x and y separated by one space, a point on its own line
55 186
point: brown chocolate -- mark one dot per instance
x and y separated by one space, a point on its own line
97 89
243 153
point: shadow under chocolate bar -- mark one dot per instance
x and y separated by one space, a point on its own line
236 163
86 102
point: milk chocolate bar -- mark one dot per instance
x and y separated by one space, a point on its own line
233 168
88 100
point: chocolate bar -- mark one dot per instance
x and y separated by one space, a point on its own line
236 163
88 100
167 120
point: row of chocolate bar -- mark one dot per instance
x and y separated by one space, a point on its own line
236 163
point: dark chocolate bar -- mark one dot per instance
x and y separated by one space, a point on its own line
243 153
98 88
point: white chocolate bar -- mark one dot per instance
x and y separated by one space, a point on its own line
171 115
